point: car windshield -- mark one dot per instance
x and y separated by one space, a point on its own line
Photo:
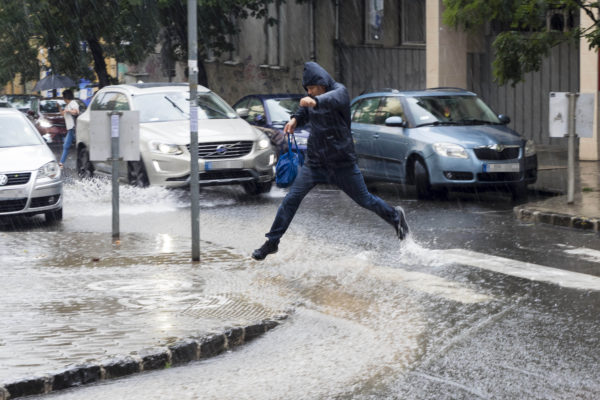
450 110
51 106
16 131
22 102
175 106
281 109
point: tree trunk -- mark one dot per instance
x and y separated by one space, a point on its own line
202 78
99 63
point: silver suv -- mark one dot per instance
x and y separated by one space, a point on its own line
230 150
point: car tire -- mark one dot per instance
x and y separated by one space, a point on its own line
518 191
85 169
54 215
422 183
136 174
256 188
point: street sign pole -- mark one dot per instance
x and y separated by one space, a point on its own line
571 148
194 170
114 137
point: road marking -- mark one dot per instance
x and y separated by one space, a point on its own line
520 269
585 254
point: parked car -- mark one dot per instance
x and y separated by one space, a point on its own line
47 118
270 113
30 179
22 102
438 139
231 151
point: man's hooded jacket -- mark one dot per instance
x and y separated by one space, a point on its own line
330 142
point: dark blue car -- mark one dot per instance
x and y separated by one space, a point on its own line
270 113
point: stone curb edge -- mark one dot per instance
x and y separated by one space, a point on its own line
180 352
564 220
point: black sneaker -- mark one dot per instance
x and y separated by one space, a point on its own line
270 247
401 225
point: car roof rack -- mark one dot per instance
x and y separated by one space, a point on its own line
448 89
392 90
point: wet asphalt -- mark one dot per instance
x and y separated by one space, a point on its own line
369 317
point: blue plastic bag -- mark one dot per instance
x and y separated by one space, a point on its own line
288 165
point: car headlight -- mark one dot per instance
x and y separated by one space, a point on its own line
49 170
44 123
165 148
450 150
529 148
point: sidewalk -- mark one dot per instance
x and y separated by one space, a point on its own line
583 213
78 309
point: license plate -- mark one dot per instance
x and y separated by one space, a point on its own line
12 193
223 164
512 167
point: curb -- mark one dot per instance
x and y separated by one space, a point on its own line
564 220
180 352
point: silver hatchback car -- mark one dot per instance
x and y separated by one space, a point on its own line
30 179
231 151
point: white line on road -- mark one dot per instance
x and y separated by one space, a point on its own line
520 269
585 254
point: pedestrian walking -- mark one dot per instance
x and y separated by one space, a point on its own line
330 157
70 111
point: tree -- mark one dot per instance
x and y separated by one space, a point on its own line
527 29
16 53
77 33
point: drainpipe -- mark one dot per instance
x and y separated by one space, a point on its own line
336 44
313 55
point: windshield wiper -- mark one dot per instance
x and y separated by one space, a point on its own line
436 123
214 110
474 121
174 104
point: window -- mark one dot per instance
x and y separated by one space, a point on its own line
111 101
365 111
255 108
390 107
373 21
412 22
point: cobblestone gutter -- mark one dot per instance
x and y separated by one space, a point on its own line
556 218
181 352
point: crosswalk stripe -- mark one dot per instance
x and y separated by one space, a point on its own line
585 254
520 269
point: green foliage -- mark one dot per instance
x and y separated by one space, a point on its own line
523 38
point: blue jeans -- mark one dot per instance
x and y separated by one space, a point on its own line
67 144
348 179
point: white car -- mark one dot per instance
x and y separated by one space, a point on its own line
30 178
231 151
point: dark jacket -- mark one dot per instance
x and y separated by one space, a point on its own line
330 143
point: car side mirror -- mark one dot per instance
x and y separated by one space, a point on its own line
395 121
504 119
242 112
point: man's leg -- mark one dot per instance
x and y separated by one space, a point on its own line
307 179
67 145
351 181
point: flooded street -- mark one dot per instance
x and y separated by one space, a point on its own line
369 317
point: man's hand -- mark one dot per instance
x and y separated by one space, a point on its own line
308 102
290 126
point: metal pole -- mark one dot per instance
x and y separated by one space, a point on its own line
571 148
194 170
114 138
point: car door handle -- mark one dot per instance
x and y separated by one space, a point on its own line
375 136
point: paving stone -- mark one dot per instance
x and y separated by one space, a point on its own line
76 376
184 352
116 368
212 346
27 387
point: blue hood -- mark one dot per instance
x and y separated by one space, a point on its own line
469 136
314 74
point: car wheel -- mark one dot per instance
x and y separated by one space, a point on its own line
54 216
519 191
422 184
85 169
255 188
136 174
